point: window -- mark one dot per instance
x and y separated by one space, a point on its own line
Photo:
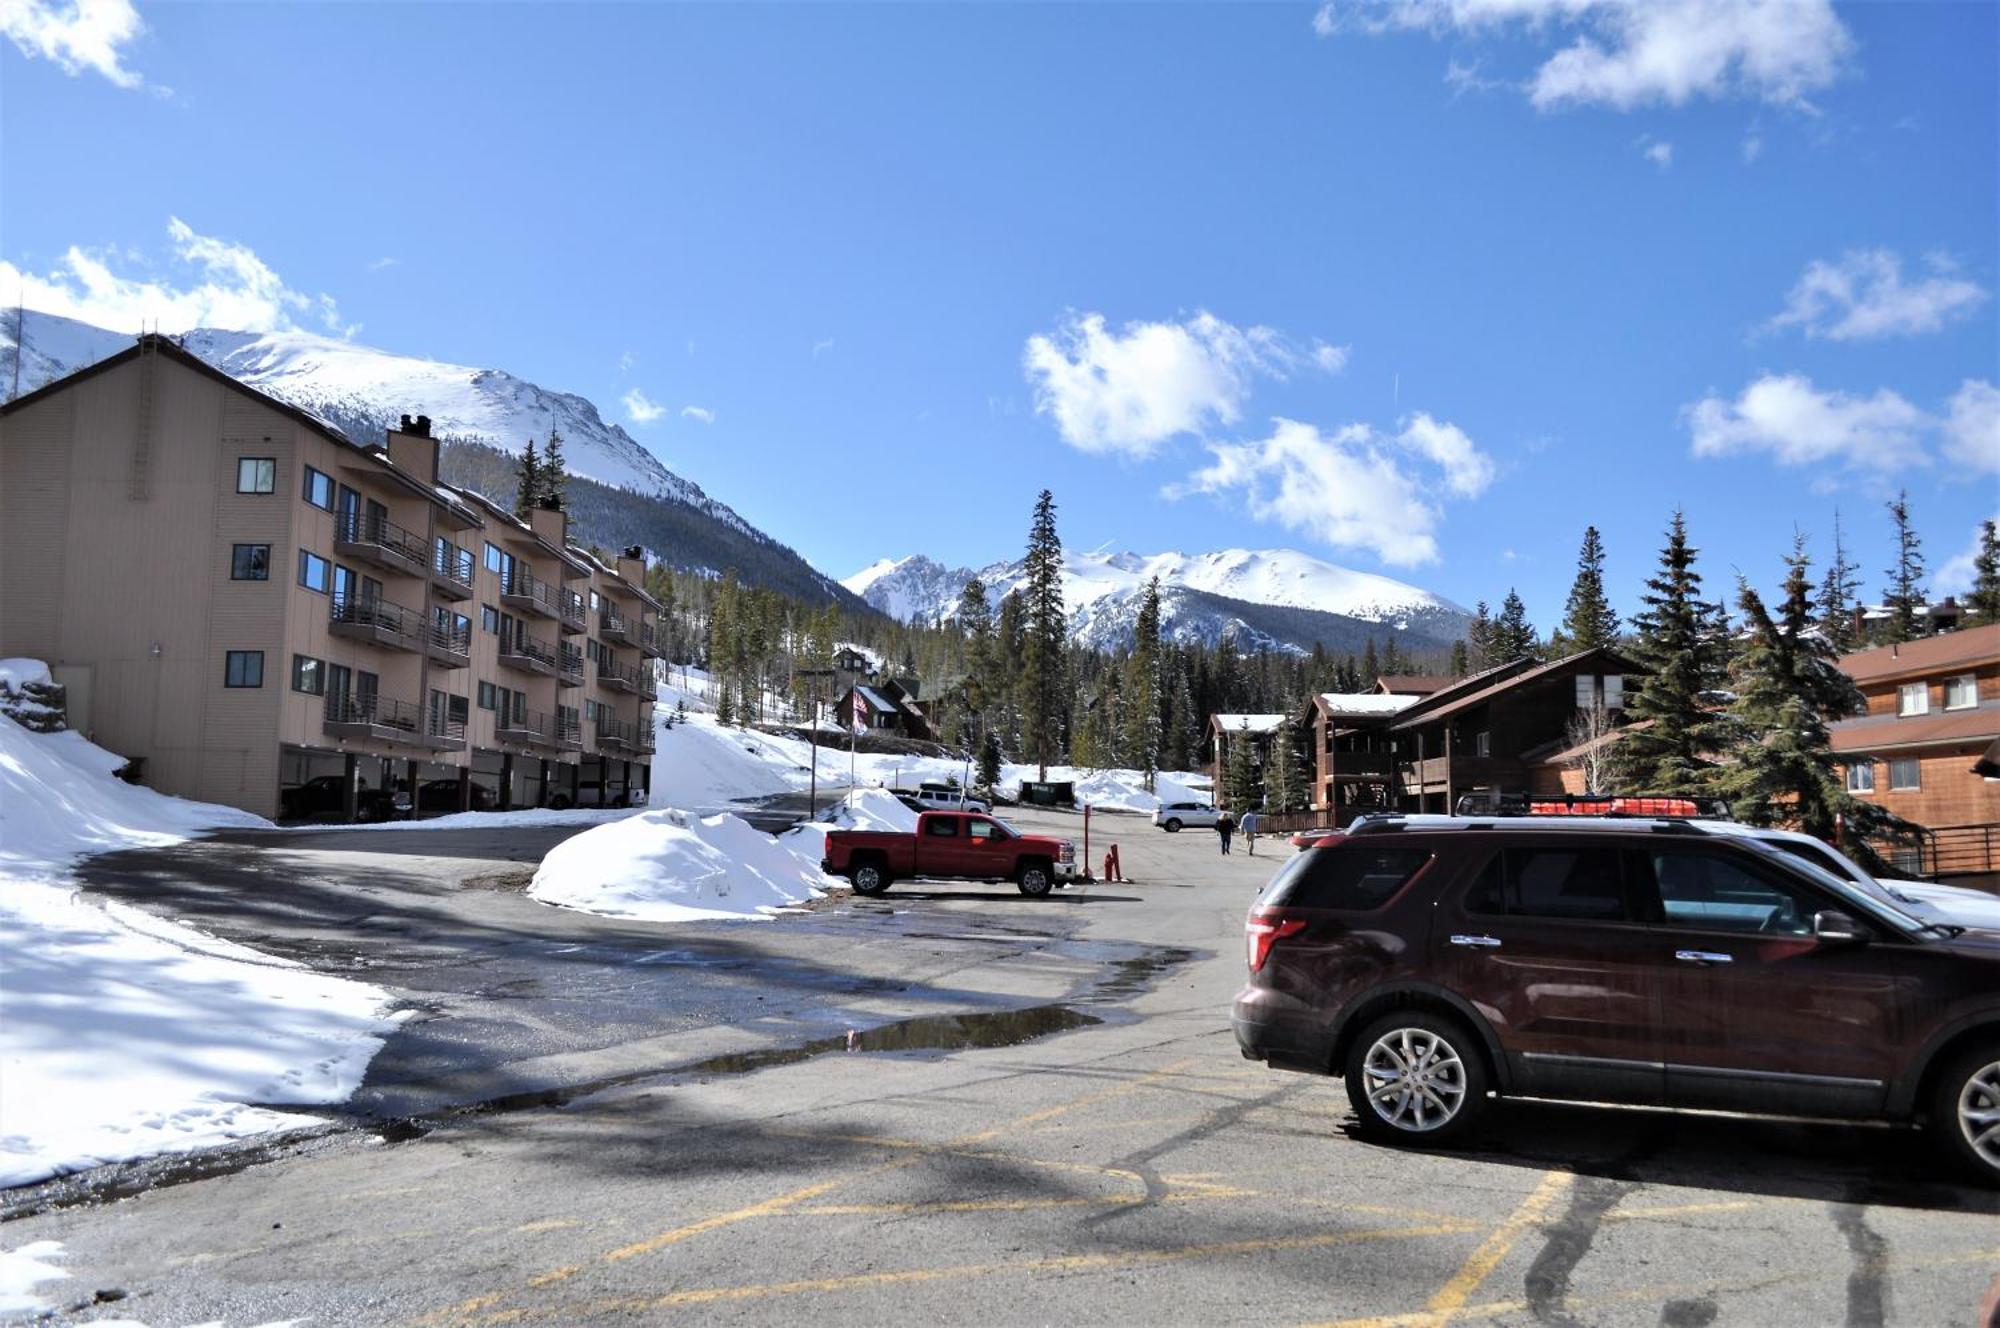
488 700
1962 692
249 562
493 557
243 668
942 827
1905 775
309 675
315 572
319 489
1861 777
1614 691
1586 884
983 830
1716 894
256 475
1353 876
1482 743
1586 692
1913 698
489 620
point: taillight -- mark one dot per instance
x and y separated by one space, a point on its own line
1264 928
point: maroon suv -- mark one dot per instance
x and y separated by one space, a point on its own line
1435 961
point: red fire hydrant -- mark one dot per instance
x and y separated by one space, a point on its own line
1111 864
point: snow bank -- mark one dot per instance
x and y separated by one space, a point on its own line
527 817
862 809
672 866
123 1035
19 673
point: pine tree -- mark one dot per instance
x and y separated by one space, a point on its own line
1671 737
1239 768
1984 601
1461 660
528 481
1044 630
1588 622
989 763
1140 700
1479 638
1512 635
1283 786
1837 594
1788 688
1905 594
1184 729
725 708
554 490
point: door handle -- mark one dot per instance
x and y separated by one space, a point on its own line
1477 942
1703 957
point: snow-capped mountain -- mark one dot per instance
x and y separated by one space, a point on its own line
1273 597
363 391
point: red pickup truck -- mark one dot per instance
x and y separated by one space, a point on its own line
957 845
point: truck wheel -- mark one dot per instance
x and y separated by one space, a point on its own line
1173 825
1035 880
868 878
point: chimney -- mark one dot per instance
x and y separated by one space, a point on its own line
632 565
550 523
413 451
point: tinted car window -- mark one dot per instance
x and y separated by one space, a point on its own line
942 828
1718 894
1556 882
1353 876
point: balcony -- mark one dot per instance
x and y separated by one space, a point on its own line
529 654
569 732
523 590
449 644
535 728
451 570
385 719
652 640
615 626
380 541
620 677
1373 766
1433 773
378 621
575 615
569 665
617 735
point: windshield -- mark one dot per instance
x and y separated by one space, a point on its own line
1865 894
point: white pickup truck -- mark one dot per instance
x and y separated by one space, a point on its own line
929 797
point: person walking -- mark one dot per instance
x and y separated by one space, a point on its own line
1249 827
1225 826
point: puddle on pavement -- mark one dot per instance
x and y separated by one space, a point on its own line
933 1032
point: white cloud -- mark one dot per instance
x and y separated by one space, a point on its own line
235 290
1798 425
83 36
1753 147
825 344
1863 296
639 409
1972 426
1659 153
626 359
1956 574
1628 53
1352 488
1128 391
383 264
702 413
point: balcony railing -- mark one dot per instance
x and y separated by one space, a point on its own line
1360 765
575 612
569 665
523 590
381 541
368 619
537 727
620 677
388 720
449 644
530 654
614 626
569 732
652 641
452 569
1946 850
617 734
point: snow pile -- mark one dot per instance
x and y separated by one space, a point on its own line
527 818
22 1269
862 809
28 694
123 1035
671 866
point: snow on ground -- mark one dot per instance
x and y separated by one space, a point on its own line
862 809
673 866
22 1270
527 817
123 1035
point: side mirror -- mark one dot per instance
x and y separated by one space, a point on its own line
1837 928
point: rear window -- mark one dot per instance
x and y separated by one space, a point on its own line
1356 876
1581 882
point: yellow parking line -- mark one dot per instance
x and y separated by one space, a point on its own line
1453 1294
1057 1263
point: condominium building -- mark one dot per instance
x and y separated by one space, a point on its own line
254 608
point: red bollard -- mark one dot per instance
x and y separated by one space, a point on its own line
1111 872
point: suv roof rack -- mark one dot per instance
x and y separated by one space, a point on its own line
1659 806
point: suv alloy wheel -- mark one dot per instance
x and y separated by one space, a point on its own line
1173 825
1965 1110
1416 1077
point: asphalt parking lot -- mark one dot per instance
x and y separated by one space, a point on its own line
1043 1119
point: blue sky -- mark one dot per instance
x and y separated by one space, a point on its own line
1418 290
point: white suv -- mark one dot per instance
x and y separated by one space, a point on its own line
946 798
1957 904
1173 816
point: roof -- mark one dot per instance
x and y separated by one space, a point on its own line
521 527
1459 698
876 700
1412 684
1358 705
187 359
1252 723
1966 648
1980 724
